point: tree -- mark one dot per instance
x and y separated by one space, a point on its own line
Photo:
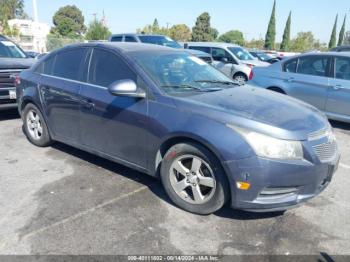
214 33
153 29
271 30
333 41
286 35
256 43
202 30
97 31
69 22
342 33
305 41
155 26
10 9
233 36
180 33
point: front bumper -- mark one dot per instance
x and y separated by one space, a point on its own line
277 185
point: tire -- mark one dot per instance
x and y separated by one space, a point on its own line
35 126
240 78
201 186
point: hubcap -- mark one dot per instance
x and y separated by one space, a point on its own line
35 129
192 179
240 80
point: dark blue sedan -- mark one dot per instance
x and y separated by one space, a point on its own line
169 114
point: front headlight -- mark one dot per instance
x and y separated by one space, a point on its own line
269 147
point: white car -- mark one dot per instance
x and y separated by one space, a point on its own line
232 60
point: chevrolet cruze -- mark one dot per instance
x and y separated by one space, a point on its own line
168 114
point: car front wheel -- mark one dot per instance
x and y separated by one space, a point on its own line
194 179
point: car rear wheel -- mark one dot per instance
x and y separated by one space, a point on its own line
35 126
194 179
240 78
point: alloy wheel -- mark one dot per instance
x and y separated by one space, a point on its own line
192 179
34 125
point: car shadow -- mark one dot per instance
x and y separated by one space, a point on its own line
154 184
340 125
9 114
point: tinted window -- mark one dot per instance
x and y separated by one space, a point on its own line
10 50
117 39
107 68
45 67
201 48
291 66
159 40
68 63
342 68
218 54
313 65
130 39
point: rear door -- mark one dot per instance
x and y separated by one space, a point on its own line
310 82
113 125
338 101
59 90
218 55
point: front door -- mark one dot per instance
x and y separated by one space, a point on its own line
113 125
338 101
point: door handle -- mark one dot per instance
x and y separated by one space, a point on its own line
88 104
338 87
290 80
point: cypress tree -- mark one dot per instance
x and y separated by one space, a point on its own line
271 30
286 35
333 41
202 30
342 33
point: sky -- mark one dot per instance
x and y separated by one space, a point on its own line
249 16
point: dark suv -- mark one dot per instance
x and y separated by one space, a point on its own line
12 61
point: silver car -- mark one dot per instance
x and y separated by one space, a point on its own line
233 60
320 79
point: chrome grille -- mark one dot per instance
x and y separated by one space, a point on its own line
5 78
326 152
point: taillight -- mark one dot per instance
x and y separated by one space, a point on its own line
251 75
17 80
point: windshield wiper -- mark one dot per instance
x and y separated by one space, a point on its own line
184 86
217 82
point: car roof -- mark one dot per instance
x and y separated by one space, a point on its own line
345 54
125 47
3 38
212 44
135 34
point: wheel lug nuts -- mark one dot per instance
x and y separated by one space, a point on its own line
188 181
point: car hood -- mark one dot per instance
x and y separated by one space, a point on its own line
16 63
260 110
255 63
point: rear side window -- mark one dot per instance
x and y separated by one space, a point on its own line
218 54
342 68
291 66
107 68
45 67
130 39
68 63
200 48
313 65
117 39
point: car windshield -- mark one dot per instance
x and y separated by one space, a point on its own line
264 57
241 53
159 40
182 72
10 50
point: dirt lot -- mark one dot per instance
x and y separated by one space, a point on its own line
60 200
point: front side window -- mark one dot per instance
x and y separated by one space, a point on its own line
218 54
159 40
181 72
130 39
291 66
313 65
10 50
342 68
200 48
241 53
106 68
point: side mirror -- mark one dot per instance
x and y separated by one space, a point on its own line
224 60
126 87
